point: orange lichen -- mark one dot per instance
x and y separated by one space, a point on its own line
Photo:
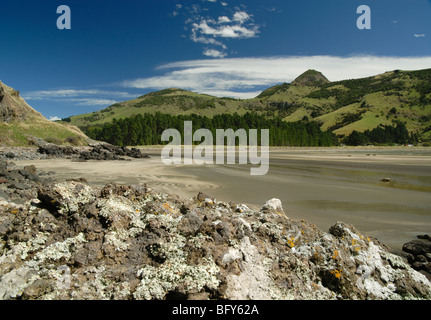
335 255
291 242
336 273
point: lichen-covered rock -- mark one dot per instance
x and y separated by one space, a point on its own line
127 242
273 206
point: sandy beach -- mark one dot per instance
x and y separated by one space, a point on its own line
320 185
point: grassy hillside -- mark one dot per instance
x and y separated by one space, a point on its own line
15 133
342 106
18 121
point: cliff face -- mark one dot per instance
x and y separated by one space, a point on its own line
19 122
128 242
13 107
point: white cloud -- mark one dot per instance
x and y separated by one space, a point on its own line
224 31
67 93
55 118
212 41
214 53
93 102
223 19
89 97
214 29
421 35
243 77
241 17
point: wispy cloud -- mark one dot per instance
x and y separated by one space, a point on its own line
65 93
92 101
87 97
244 77
213 30
420 35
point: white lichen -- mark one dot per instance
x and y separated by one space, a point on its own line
174 273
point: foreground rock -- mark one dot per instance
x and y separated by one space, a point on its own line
19 185
77 241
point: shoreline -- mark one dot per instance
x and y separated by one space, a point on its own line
192 223
314 184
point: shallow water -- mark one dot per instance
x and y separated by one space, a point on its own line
323 191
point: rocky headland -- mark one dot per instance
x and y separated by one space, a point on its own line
72 240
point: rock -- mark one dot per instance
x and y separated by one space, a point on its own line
123 242
3 195
19 186
15 175
205 197
106 151
424 237
386 180
420 254
273 206
408 257
417 247
10 155
36 289
30 169
190 224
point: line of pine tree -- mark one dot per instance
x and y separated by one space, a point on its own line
147 129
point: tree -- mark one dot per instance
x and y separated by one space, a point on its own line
356 139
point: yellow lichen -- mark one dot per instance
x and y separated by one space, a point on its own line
336 273
335 255
291 242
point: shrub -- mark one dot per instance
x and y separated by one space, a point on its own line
53 140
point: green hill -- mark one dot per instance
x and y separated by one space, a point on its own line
18 121
342 106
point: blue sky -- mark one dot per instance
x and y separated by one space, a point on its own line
119 50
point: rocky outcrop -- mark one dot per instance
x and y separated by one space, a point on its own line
110 152
13 107
418 254
98 151
19 185
77 241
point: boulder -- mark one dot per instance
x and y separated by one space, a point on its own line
272 206
419 252
417 247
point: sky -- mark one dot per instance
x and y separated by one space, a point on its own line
119 50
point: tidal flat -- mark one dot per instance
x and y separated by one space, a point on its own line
319 185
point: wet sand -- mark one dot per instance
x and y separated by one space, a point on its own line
321 186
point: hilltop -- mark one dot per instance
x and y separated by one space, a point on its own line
19 121
341 106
